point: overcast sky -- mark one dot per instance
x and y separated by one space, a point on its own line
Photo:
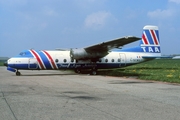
50 24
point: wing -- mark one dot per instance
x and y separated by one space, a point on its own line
116 43
100 50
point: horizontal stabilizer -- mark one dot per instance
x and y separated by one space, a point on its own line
154 57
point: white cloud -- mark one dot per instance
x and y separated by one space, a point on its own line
50 12
175 1
97 20
161 14
171 12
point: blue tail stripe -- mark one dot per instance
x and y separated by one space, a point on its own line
157 34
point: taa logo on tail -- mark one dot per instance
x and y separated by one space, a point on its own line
151 49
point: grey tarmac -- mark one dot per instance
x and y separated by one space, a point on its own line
64 95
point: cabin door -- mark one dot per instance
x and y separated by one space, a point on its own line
32 63
122 58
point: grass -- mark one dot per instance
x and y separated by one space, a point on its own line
166 70
1 63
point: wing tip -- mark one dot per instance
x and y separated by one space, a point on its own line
134 37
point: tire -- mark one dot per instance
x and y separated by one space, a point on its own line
77 71
18 73
93 72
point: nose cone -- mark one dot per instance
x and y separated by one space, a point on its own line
5 64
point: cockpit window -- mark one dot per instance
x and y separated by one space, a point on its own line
22 53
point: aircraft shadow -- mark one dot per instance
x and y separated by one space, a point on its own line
46 74
129 82
107 72
119 73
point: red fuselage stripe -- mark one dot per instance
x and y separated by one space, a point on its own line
38 59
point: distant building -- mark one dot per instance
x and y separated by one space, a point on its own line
3 59
176 57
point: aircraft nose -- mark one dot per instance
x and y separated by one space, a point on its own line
5 64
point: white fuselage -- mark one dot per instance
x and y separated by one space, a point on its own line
62 60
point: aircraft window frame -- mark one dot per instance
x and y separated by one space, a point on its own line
106 60
119 60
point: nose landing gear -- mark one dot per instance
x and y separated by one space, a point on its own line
18 73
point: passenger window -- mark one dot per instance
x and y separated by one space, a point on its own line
112 60
119 60
106 60
65 60
56 60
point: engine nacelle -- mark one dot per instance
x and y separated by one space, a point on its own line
82 54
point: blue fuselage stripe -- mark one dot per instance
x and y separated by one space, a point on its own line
45 60
73 66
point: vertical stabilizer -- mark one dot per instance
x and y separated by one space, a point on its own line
150 42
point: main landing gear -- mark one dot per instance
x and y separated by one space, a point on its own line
18 73
77 70
93 71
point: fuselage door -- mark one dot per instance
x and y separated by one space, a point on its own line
122 58
32 63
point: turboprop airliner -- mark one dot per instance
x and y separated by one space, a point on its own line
99 56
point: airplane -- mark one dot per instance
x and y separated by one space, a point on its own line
99 56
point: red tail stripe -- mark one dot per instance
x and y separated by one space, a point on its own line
38 59
154 37
51 60
144 39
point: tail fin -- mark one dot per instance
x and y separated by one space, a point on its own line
150 42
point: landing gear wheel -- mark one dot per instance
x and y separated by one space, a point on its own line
18 73
94 72
77 71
